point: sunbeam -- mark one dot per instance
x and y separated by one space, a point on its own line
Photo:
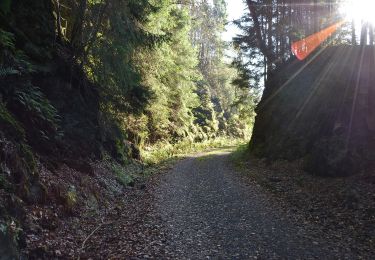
359 11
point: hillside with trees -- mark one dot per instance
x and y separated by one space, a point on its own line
82 81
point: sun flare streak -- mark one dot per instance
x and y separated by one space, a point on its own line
303 48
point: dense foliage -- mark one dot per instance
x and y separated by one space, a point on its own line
160 66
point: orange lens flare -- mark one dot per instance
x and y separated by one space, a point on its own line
303 48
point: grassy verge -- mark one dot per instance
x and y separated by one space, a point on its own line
240 155
160 157
166 151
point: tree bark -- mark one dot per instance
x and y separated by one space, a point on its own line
77 30
58 19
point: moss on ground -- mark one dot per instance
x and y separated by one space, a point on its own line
123 177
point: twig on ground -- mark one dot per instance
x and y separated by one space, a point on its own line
90 235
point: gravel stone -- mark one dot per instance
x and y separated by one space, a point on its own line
210 211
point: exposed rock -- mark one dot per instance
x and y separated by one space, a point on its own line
321 110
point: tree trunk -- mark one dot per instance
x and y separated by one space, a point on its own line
77 30
354 37
316 16
371 34
58 19
364 33
270 34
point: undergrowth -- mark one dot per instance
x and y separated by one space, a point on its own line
126 174
240 155
164 151
124 177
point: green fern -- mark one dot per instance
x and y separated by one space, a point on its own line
4 72
11 57
5 6
39 107
6 40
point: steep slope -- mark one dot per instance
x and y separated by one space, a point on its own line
322 111
49 119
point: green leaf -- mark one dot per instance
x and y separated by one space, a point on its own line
5 6
3 228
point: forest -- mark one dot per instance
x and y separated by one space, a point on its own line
100 101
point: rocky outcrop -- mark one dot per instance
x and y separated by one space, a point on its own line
321 110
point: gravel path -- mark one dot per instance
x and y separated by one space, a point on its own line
203 208
210 211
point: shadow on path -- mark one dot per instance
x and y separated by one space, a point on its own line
210 211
